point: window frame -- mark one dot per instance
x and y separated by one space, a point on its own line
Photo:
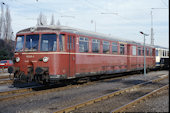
116 45
147 51
106 43
157 52
23 48
48 34
84 39
151 52
96 41
139 49
123 49
134 48
38 42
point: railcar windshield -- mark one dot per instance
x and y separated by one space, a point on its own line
19 43
32 43
48 42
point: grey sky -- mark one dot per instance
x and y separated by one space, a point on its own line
133 16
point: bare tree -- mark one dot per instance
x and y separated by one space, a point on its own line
8 29
2 22
58 23
41 20
52 20
5 24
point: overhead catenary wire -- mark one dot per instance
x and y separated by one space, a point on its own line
165 3
100 9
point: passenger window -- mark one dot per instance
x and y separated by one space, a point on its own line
163 53
150 52
69 42
168 53
133 50
62 42
32 42
156 52
139 51
105 47
160 52
122 49
73 42
48 42
147 51
83 44
114 47
19 43
143 51
95 46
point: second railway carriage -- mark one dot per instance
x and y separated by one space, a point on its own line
162 57
55 53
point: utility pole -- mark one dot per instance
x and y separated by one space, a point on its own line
152 39
152 34
2 21
144 52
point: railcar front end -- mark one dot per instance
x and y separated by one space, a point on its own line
37 58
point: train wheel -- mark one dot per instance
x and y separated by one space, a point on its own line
83 80
46 83
94 78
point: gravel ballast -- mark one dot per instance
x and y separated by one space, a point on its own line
53 101
122 99
157 103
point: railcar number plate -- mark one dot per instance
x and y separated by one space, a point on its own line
29 56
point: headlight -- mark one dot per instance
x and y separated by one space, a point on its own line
45 59
17 59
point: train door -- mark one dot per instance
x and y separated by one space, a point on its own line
71 48
128 56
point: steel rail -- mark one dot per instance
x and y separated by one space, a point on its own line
4 77
55 89
30 93
104 97
15 91
138 100
5 82
42 91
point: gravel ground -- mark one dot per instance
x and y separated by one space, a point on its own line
4 79
157 103
56 100
119 100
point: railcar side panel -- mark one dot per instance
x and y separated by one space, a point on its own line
74 54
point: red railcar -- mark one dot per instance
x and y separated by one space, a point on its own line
54 53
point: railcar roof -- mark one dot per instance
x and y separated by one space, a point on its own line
157 46
55 28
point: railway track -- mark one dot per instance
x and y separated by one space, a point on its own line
5 82
4 79
14 94
77 107
140 99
